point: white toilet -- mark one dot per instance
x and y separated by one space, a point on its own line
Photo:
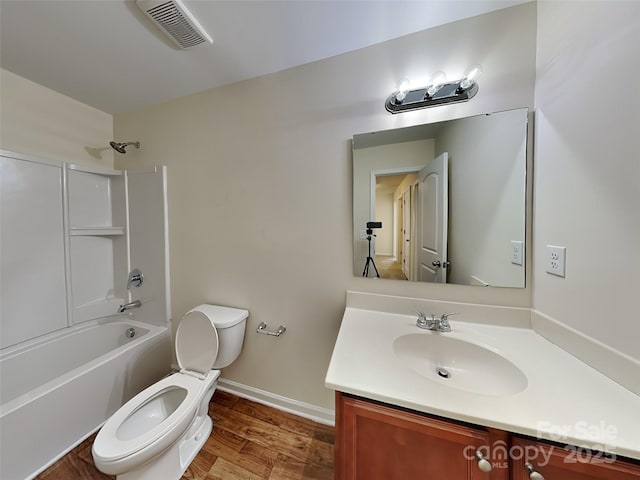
158 432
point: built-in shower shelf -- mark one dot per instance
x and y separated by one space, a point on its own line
97 241
96 231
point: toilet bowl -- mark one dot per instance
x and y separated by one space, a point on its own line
158 432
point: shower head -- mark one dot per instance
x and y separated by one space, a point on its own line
121 147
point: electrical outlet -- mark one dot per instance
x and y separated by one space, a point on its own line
363 234
556 260
517 248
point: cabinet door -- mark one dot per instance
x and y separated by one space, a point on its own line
377 442
570 463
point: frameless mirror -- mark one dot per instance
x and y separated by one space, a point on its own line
443 202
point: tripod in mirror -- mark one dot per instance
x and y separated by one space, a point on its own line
370 261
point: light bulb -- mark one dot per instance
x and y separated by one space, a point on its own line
435 83
403 88
471 76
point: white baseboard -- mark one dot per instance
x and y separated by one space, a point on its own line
321 415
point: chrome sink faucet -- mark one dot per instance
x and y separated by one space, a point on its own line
129 306
438 324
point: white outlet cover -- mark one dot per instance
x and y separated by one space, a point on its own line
517 250
556 260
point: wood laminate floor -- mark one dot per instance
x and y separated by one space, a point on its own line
249 442
388 267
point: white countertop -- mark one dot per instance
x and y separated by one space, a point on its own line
565 400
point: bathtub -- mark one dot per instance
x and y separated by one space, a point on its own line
57 390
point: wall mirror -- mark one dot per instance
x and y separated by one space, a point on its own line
443 202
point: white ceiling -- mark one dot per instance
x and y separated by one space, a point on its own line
107 54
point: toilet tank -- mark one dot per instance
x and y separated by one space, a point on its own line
230 324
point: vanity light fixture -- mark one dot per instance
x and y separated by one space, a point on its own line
403 88
438 92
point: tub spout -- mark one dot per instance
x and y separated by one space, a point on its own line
129 306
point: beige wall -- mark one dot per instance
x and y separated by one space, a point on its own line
39 121
587 174
259 182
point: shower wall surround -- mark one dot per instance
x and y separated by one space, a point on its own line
66 244
32 261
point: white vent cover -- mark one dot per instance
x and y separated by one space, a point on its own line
175 21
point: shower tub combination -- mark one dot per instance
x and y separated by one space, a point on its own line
58 389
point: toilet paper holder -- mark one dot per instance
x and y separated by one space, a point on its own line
262 328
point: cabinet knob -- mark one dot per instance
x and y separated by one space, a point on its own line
483 464
533 475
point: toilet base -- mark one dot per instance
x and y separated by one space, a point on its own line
172 463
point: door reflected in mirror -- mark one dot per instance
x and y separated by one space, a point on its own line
450 197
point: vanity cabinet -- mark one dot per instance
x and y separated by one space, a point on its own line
380 442
567 463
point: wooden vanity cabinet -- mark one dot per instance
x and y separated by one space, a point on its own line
566 463
379 442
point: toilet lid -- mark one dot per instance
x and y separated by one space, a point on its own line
196 343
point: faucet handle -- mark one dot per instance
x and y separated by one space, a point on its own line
421 314
444 322
445 316
422 321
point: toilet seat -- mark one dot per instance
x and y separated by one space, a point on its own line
112 449
196 343
196 351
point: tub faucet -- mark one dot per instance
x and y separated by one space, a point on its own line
129 306
438 324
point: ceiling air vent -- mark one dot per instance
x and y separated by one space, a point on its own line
175 21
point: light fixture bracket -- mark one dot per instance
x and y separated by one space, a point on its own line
450 92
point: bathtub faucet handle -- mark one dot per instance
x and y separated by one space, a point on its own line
135 278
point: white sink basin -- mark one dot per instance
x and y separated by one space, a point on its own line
459 364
